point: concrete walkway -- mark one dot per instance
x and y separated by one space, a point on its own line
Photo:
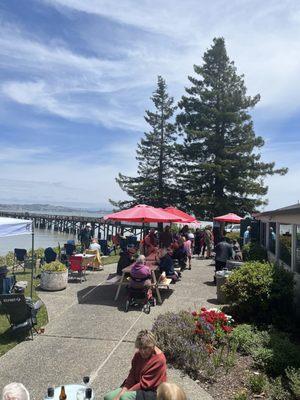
90 335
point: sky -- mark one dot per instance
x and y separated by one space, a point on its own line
76 77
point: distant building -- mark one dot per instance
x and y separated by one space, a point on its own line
280 235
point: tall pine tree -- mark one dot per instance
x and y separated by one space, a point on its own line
154 184
221 169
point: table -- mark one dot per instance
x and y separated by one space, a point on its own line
86 258
71 391
126 271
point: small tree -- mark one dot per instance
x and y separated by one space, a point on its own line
221 168
155 183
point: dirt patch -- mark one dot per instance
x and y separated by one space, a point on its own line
226 385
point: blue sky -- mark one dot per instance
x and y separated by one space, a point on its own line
76 77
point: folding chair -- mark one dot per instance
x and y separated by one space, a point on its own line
20 258
70 248
76 269
20 311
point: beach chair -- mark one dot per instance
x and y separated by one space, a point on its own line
21 312
96 262
76 269
20 258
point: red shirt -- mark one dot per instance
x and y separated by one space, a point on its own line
147 373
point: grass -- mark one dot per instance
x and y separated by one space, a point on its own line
7 340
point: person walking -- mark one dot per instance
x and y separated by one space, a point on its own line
247 235
208 240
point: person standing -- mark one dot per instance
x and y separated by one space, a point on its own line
85 236
247 235
224 252
208 240
165 238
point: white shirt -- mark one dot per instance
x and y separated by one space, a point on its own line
95 246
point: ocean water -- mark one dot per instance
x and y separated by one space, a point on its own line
42 238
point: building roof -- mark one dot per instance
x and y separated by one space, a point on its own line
293 209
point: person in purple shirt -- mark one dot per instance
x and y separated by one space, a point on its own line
140 274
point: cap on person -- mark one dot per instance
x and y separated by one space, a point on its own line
15 391
89 225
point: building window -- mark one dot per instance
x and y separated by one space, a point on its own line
285 243
297 265
272 237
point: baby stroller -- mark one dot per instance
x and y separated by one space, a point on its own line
137 296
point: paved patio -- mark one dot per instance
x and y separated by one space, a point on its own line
90 334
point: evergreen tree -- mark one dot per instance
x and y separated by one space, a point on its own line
154 184
221 170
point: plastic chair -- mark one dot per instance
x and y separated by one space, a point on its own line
97 262
76 269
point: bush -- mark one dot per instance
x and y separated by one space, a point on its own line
233 236
276 391
54 266
272 351
293 376
261 292
254 252
257 382
188 351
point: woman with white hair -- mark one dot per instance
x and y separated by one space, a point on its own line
140 274
15 391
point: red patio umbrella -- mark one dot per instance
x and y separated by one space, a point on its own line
231 217
185 218
143 213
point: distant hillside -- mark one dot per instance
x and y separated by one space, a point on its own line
37 208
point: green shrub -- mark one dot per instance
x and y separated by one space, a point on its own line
272 351
293 376
54 266
254 252
261 292
241 395
285 249
233 236
257 382
276 391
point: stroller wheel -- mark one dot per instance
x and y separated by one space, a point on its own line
146 308
127 304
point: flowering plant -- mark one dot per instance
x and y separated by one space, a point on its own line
212 324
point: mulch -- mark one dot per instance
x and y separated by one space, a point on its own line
226 385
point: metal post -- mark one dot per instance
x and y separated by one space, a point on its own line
32 258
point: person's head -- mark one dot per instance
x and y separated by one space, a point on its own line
141 259
249 228
88 226
15 391
167 228
271 229
170 391
95 240
145 343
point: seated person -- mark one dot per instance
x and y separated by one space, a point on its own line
95 245
150 242
148 369
140 274
126 259
180 253
166 265
15 391
170 391
238 256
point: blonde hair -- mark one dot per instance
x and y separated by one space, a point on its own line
145 338
170 391
15 391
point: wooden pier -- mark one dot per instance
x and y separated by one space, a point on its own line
72 224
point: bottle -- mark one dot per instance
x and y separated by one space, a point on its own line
50 393
62 395
88 393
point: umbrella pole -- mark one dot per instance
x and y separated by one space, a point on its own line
32 258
